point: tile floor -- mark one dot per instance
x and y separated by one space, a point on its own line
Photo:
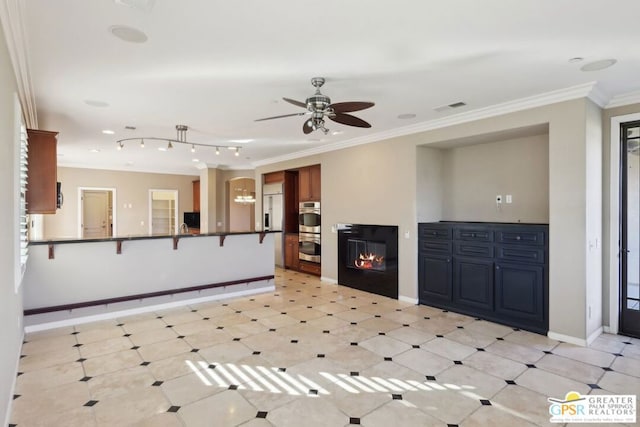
312 354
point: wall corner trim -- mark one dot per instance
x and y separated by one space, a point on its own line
12 390
567 338
407 299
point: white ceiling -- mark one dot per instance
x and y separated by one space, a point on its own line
217 66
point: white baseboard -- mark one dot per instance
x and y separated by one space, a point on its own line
407 299
594 335
145 309
567 338
328 280
13 384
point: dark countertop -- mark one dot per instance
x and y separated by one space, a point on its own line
63 240
484 223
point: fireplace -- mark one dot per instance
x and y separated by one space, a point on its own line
368 258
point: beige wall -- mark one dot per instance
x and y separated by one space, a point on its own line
474 175
130 188
241 217
10 300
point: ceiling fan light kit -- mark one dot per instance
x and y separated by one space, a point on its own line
319 107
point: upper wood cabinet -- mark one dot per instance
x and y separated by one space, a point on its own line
309 183
273 177
196 195
42 172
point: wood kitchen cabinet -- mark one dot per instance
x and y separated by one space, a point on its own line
42 172
196 195
291 260
273 177
309 185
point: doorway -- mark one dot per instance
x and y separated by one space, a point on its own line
97 218
630 229
163 212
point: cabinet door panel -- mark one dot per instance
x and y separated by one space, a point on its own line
474 234
473 283
520 237
434 277
521 254
434 231
474 249
520 291
435 246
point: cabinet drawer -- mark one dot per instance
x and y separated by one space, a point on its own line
524 254
309 267
520 237
471 234
474 249
437 246
429 231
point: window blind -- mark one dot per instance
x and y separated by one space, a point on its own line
24 224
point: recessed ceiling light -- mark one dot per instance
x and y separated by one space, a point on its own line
407 116
240 141
576 59
195 160
162 148
598 65
96 103
337 132
128 34
108 132
94 150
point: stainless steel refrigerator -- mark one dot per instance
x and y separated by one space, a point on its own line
273 217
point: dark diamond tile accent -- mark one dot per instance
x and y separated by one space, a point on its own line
618 354
173 409
546 352
85 379
22 356
225 305
266 306
480 349
398 309
594 386
283 312
292 300
194 311
303 321
78 345
353 420
309 306
212 366
415 346
180 337
457 362
75 333
511 382
145 364
485 402
374 303
233 387
516 329
430 378
460 327
157 383
388 359
445 311
529 365
255 353
169 326
19 373
135 347
254 320
272 330
627 343
15 396
91 403
354 373
330 314
452 425
381 333
353 308
126 335
352 296
159 317
261 414
236 339
439 336
326 332
120 324
396 396
354 343
252 299
405 325
354 323
427 317
294 341
238 311
313 392
282 369
195 350
607 369
500 339
82 359
205 318
320 356
377 315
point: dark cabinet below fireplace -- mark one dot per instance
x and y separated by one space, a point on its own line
495 271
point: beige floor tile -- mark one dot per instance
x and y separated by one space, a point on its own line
410 335
47 360
165 419
490 416
399 413
570 368
401 317
608 343
143 325
214 311
470 338
93 335
516 352
379 324
192 387
261 313
306 314
179 318
266 341
174 366
583 354
319 343
332 308
620 383
310 411
162 350
225 352
54 376
423 362
353 315
357 405
531 406
440 404
120 382
242 330
131 407
530 339
137 317
227 408
48 344
355 357
627 365
549 384
111 345
495 365
101 324
329 323
278 321
153 336
385 346
208 338
434 326
632 351
42 404
488 328
266 401
288 356
449 349
192 328
49 333
471 380
111 362
77 417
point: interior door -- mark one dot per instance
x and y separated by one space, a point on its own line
630 231
95 214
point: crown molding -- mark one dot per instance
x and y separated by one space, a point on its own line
585 90
624 99
11 16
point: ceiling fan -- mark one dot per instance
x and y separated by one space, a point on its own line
319 106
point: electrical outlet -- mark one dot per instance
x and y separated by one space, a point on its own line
509 199
498 199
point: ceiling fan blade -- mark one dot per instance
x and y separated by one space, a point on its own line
307 127
294 102
348 107
348 119
279 117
